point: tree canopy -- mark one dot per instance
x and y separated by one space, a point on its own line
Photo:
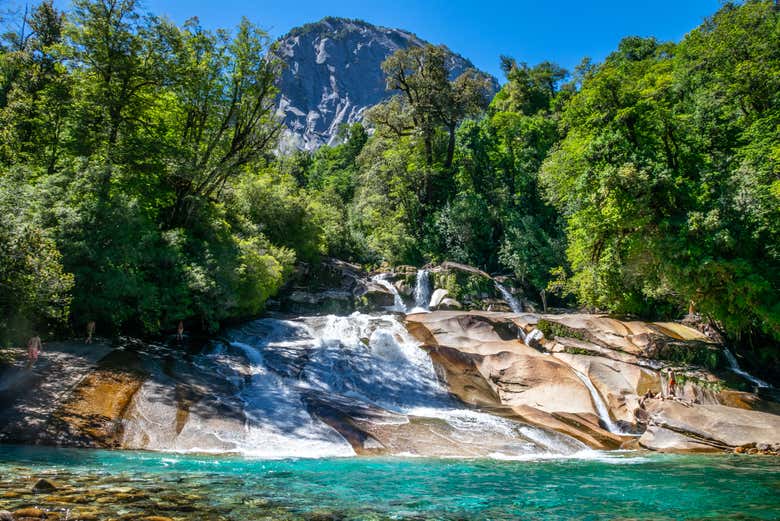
141 182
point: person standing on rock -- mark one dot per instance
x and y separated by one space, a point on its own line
180 331
90 331
33 349
672 385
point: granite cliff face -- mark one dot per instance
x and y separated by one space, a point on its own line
333 74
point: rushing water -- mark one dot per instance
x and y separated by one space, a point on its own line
329 386
510 299
422 291
737 369
130 485
601 406
398 302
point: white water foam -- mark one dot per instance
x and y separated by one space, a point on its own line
368 359
398 303
422 292
737 369
277 422
510 299
601 406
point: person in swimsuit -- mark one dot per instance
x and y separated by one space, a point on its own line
180 331
33 349
90 331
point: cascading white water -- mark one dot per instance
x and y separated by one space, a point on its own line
398 302
737 369
364 361
277 422
422 292
509 298
601 406
534 336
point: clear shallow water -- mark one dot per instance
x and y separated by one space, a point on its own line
614 486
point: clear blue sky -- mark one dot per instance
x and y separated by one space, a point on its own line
529 30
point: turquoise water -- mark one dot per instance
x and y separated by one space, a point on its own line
614 486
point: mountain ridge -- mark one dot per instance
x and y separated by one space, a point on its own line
333 73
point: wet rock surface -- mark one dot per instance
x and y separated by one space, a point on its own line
376 384
628 365
29 397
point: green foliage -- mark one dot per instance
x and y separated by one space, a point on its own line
690 353
136 159
552 330
34 287
131 148
275 205
666 180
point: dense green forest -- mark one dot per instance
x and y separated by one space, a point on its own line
139 183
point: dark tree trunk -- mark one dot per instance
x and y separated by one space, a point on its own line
450 148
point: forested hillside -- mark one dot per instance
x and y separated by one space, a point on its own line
139 184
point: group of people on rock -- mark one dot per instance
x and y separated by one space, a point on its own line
35 346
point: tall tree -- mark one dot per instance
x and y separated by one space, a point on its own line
427 97
225 99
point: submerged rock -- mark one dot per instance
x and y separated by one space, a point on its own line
43 485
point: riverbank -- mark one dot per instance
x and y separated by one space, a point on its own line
441 383
155 487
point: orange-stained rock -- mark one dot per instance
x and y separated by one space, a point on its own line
92 414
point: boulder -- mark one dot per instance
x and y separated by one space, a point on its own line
44 485
717 426
31 512
665 440
450 304
584 427
331 301
619 383
479 356
464 330
437 297
330 286
375 297
461 371
484 363
524 376
658 341
5 515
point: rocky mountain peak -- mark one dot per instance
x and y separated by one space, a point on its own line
333 74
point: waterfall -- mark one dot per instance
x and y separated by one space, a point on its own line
735 367
361 363
422 292
398 303
325 386
509 298
601 406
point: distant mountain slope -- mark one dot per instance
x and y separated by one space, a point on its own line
334 74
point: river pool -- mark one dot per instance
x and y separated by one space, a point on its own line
96 484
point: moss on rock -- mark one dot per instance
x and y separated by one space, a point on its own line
552 330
